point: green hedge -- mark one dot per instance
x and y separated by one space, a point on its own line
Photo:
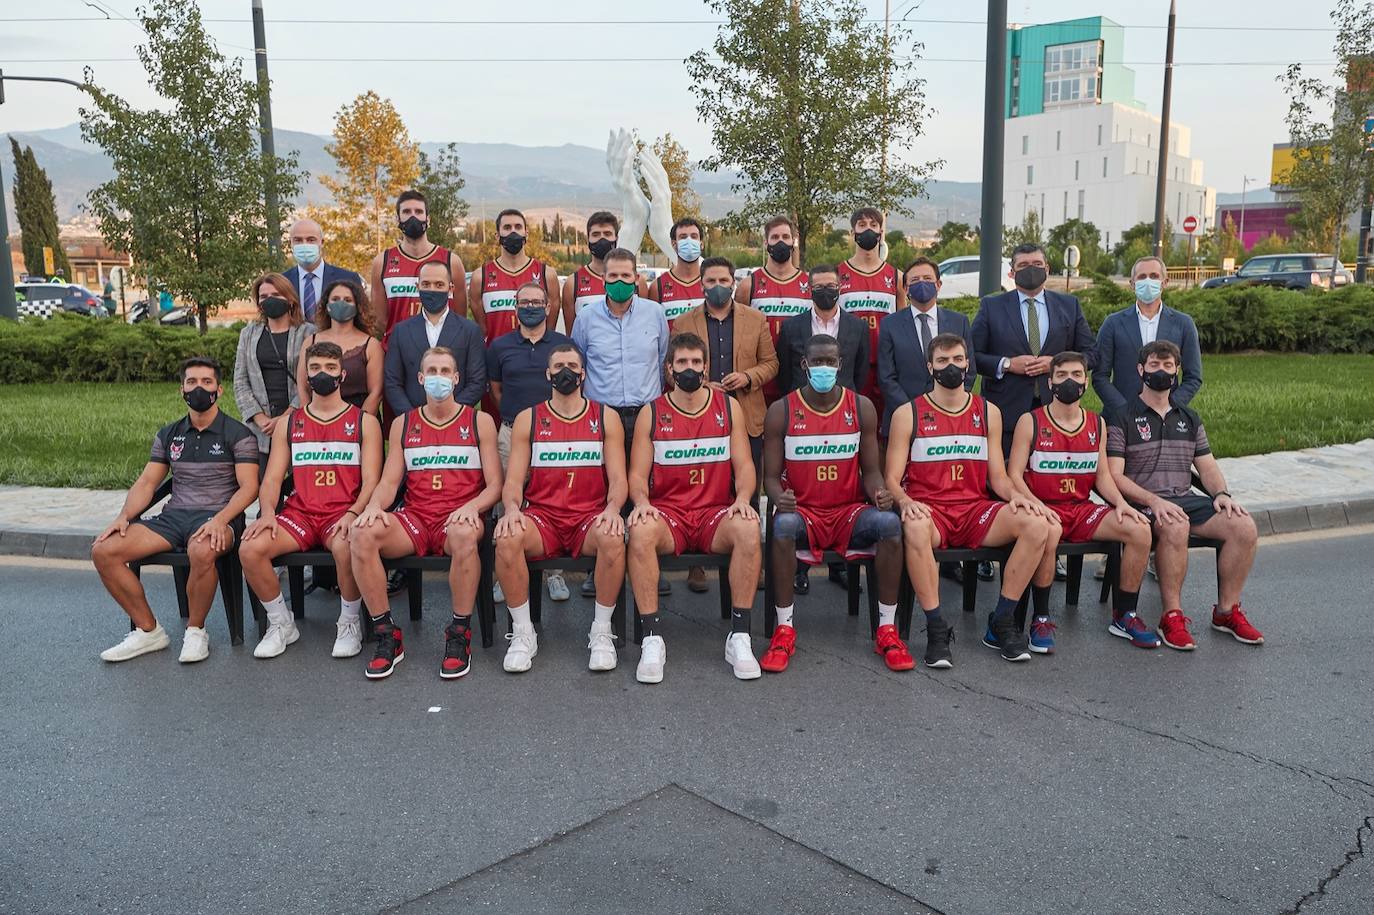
76 348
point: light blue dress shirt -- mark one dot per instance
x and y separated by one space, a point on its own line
624 355
1042 309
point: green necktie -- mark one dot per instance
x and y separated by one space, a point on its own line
1033 326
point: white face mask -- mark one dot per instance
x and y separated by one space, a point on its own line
1148 290
305 255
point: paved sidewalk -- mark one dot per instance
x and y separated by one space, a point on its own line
1287 492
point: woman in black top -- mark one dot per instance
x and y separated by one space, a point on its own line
268 352
345 318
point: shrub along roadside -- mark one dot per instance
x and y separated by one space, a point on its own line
75 348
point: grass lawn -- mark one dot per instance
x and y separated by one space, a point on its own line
98 435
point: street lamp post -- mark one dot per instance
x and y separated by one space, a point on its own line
1240 237
994 134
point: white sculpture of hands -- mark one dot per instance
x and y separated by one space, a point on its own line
660 204
620 162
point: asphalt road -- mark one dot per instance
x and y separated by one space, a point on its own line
1103 779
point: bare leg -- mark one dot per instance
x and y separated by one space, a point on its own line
343 567
465 568
1171 562
740 539
1027 534
111 558
257 554
511 569
647 540
203 580
922 538
368 545
609 551
1236 558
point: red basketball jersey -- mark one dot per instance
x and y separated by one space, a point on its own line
498 295
677 296
567 470
949 452
692 469
400 285
1063 464
587 288
326 462
779 299
870 297
443 463
821 453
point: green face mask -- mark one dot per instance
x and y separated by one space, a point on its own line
619 291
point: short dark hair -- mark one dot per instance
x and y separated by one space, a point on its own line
621 254
411 194
684 342
362 320
821 268
565 348
532 285
819 340
941 342
920 261
866 212
684 222
324 350
776 221
1066 357
603 218
1028 247
439 351
511 211
718 262
439 263
1161 348
208 362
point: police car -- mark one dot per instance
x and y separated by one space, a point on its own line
43 299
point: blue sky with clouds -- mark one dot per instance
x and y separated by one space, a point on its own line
627 71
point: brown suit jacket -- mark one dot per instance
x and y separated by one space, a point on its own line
754 356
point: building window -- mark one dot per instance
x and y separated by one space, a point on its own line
1136 169
1030 175
1099 134
1056 140
1072 72
1080 203
1104 166
1149 139
1075 169
1065 217
1025 144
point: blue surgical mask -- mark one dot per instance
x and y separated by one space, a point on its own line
531 315
921 291
822 377
689 249
438 386
305 255
1147 290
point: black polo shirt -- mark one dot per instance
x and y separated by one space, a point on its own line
1159 450
520 366
202 461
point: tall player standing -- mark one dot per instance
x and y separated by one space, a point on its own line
396 271
588 283
870 289
491 291
679 290
779 288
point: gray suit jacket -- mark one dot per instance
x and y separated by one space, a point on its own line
408 343
1115 377
250 391
902 372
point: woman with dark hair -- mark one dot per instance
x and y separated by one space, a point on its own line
345 318
268 351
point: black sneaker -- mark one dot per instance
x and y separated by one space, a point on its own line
1007 639
395 581
939 635
588 588
985 571
839 574
801 582
389 653
663 586
457 652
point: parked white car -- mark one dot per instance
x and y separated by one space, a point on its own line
959 276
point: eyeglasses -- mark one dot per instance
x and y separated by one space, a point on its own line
530 302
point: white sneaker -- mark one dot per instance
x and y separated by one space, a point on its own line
602 644
497 595
524 645
739 654
558 588
652 655
275 639
195 645
349 642
137 642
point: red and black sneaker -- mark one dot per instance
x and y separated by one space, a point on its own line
1173 631
389 653
1236 625
780 650
894 651
457 652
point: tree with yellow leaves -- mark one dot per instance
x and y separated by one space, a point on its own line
376 161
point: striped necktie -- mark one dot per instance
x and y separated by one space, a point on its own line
308 295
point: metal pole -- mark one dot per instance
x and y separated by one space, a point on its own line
1240 237
9 306
265 127
994 135
1163 169
1362 254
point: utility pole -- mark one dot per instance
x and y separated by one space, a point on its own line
1163 170
1240 237
994 137
269 155
1362 254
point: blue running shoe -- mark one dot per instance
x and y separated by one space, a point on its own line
990 637
1130 626
1042 635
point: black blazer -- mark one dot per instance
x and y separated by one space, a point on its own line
331 274
792 337
902 372
998 332
409 342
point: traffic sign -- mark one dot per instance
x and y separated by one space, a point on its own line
1190 224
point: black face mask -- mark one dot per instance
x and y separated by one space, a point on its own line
780 252
274 307
565 380
867 239
433 300
688 380
949 376
324 384
199 399
1068 390
414 227
513 243
341 311
601 247
1031 277
825 297
1159 380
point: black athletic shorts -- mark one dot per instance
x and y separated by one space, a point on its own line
1199 508
177 525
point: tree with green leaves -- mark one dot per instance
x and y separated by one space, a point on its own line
36 209
1333 167
1075 232
1029 232
843 107
188 199
441 181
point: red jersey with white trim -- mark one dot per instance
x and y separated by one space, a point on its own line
326 462
588 287
498 295
401 284
692 469
677 296
870 297
948 462
443 463
779 299
821 453
1063 464
567 470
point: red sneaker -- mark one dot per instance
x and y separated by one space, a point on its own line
890 645
457 652
1237 626
780 650
389 653
1173 630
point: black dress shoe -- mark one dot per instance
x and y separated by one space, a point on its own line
663 586
396 581
801 584
839 574
588 588
985 571
954 571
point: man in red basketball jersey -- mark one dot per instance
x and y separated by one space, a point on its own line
870 288
396 271
445 453
565 485
679 290
491 291
779 288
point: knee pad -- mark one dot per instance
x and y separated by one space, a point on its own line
788 526
889 526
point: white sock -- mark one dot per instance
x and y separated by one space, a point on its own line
604 614
520 614
785 615
887 614
277 611
348 609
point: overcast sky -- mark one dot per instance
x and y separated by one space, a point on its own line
1233 104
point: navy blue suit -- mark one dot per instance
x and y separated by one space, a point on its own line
902 372
408 344
1116 378
331 274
